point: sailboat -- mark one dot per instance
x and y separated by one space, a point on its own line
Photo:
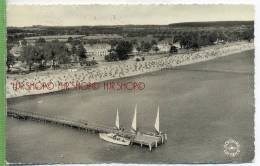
157 127
115 138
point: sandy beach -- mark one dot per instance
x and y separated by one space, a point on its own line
45 82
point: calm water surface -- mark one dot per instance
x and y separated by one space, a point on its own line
201 106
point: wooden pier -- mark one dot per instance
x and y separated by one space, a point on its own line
151 140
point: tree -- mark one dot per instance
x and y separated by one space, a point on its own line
183 43
53 58
81 53
112 57
40 56
146 46
156 49
62 53
161 38
113 43
23 42
54 51
212 37
76 42
248 35
10 60
27 55
195 45
70 40
123 49
154 42
191 40
134 42
41 40
138 49
73 50
173 49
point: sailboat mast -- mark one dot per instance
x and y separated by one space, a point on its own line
157 121
134 122
117 119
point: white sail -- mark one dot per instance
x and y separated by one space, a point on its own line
117 119
156 125
134 122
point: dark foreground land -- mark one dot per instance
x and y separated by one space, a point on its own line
202 105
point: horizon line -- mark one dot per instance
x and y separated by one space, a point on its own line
109 25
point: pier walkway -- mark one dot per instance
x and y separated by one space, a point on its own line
151 140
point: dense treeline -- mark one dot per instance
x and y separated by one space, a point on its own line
16 33
55 53
203 38
213 23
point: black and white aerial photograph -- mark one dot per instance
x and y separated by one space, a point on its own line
144 84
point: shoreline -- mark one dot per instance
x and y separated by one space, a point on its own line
122 69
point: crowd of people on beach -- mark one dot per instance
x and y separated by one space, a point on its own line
124 69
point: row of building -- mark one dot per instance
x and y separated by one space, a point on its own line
99 50
96 51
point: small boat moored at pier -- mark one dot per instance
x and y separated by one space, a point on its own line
113 137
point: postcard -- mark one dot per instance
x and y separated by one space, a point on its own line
145 84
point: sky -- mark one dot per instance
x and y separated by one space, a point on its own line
75 15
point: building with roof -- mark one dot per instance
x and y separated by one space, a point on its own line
163 46
97 51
